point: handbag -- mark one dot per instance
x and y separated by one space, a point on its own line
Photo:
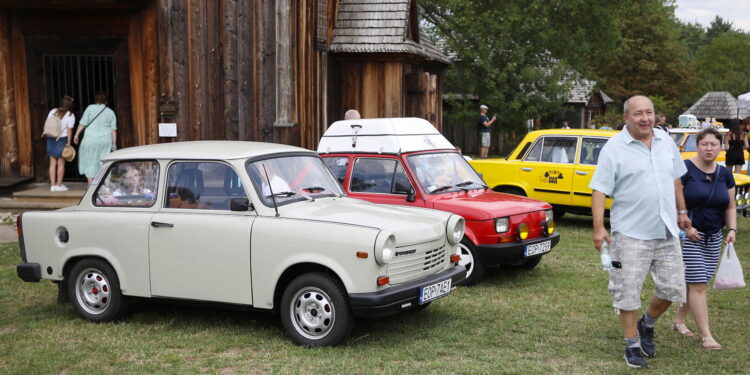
729 275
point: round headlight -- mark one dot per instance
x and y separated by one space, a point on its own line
747 196
523 231
737 197
385 247
455 229
548 215
502 225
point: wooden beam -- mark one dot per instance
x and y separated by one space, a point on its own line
135 59
8 130
150 75
229 44
20 85
284 71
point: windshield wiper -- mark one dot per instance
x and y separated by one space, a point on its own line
318 189
287 194
442 188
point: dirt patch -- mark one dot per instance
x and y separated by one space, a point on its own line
8 233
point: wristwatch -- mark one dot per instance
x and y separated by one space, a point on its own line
680 212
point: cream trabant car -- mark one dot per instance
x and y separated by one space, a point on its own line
251 224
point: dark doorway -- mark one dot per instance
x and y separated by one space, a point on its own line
77 66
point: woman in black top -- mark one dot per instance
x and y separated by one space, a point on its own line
735 143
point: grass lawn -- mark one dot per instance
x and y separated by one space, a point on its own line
556 318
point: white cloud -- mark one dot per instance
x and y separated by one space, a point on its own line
704 11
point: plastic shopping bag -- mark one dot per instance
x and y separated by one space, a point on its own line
729 275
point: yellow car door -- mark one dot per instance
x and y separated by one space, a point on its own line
548 169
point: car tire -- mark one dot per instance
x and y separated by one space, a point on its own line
94 290
558 213
525 264
315 311
475 267
509 190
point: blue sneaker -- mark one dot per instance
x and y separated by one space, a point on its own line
647 339
634 358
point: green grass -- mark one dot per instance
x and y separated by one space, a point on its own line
554 319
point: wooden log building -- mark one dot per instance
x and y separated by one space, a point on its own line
272 71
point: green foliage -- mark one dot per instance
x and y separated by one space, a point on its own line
718 28
724 64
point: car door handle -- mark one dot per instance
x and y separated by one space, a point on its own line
581 173
157 224
527 169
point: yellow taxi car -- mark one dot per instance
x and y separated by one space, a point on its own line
686 141
556 166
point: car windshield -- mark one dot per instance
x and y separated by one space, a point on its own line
292 178
444 172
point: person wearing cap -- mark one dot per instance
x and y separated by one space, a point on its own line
485 130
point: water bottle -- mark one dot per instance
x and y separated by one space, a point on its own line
606 259
682 236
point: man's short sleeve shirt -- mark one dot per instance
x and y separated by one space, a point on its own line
480 124
641 184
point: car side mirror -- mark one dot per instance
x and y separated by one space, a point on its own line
240 204
412 196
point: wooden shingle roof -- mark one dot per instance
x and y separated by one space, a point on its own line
581 92
367 26
717 104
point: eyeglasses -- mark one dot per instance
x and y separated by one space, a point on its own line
69 98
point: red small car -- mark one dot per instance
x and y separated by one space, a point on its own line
406 161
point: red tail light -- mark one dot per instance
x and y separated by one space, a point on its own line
18 226
383 280
455 258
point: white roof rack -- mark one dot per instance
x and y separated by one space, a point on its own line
382 135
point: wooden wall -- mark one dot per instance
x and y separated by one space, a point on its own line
9 163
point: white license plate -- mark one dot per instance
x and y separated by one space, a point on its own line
538 248
434 291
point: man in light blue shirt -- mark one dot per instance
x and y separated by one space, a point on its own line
640 169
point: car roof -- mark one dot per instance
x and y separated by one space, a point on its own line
694 130
574 132
382 135
202 150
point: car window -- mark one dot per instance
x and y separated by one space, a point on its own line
202 185
590 148
691 144
292 178
337 165
129 184
553 150
444 172
385 176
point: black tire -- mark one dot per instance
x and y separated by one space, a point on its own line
558 212
94 291
510 190
327 318
475 267
525 264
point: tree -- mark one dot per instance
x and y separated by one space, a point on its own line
693 36
516 55
718 28
724 65
649 60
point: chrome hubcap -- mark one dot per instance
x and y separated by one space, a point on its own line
93 291
312 313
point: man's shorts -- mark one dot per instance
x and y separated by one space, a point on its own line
662 258
485 139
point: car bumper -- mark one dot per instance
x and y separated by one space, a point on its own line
512 251
29 272
401 297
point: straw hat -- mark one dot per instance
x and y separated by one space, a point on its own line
69 153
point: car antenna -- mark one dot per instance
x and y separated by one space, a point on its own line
273 197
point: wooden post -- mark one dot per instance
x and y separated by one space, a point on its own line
21 89
283 65
8 129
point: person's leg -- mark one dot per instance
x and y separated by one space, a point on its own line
657 306
60 170
678 324
628 323
52 171
699 307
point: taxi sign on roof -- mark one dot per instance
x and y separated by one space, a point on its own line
382 135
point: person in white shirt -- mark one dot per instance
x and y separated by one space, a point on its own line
55 146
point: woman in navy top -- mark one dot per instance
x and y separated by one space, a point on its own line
709 195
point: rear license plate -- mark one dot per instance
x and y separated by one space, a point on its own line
538 248
434 291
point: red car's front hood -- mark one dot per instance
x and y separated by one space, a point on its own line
485 205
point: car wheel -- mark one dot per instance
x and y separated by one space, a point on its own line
315 311
525 264
509 190
558 212
475 268
94 289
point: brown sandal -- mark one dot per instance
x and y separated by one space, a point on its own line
682 329
710 343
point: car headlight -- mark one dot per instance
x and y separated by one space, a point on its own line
747 196
502 225
548 215
455 229
385 247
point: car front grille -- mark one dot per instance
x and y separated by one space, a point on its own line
417 261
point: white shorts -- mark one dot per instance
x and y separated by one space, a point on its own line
485 139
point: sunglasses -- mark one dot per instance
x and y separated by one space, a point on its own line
69 98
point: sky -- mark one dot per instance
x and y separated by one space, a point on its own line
703 11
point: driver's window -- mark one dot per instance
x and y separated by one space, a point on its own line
590 149
370 175
129 184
